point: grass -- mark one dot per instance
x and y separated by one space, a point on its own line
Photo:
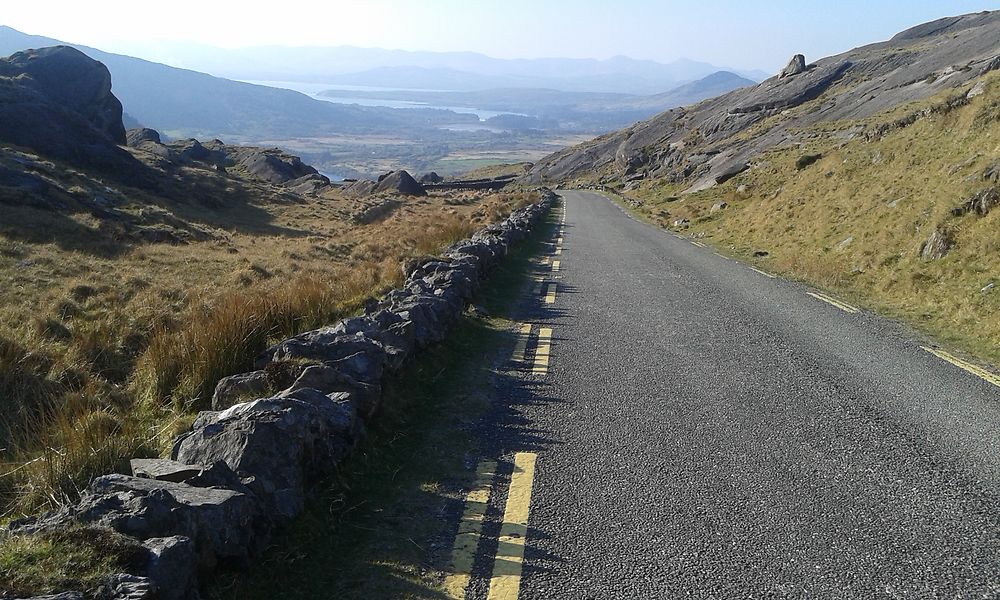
378 530
854 221
69 559
109 345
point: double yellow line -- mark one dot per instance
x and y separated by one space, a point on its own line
965 365
505 582
834 302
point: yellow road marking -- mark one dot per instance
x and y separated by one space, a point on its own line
521 347
470 528
555 265
764 273
699 244
506 581
967 366
542 351
550 294
833 302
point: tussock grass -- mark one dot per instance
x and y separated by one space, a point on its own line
106 355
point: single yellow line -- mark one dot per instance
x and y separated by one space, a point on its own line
506 581
550 294
470 529
837 303
521 347
967 366
555 265
542 351
764 273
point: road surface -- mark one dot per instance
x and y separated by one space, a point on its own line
704 430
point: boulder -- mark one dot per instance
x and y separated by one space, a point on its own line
431 178
795 66
73 80
172 567
279 446
362 357
239 388
226 525
58 102
327 379
399 182
718 207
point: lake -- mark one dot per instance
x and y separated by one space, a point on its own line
313 90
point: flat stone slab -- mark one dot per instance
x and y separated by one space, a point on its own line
162 469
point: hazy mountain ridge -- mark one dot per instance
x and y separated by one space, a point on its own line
350 65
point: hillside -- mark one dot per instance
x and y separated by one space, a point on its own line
706 144
135 276
872 174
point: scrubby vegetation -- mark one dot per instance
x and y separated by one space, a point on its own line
110 344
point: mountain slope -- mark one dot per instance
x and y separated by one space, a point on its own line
708 143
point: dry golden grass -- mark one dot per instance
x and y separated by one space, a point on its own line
854 221
108 345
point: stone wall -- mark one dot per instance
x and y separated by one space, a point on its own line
246 467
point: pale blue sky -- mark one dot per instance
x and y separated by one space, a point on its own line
725 32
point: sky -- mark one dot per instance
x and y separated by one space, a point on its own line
740 34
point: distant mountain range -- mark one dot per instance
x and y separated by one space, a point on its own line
185 103
453 71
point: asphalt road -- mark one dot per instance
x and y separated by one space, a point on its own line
706 431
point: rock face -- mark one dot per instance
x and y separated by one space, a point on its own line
58 102
795 66
698 146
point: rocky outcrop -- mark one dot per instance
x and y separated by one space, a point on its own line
698 146
266 454
136 137
938 244
399 182
795 66
58 102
